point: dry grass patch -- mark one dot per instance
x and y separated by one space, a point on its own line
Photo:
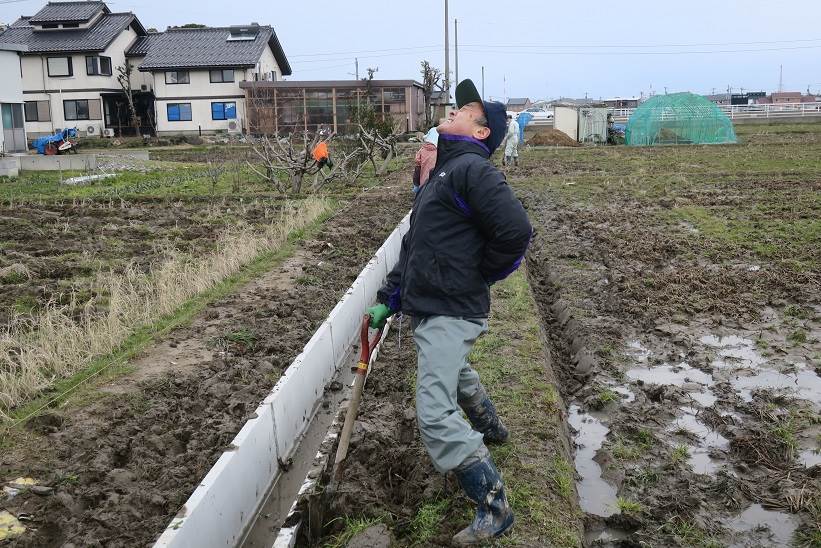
57 342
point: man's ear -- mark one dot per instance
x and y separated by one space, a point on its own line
481 133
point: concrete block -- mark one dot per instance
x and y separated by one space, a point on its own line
9 166
64 162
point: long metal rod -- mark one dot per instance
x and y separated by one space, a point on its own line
456 47
447 53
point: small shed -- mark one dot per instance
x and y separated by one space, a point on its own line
518 104
583 122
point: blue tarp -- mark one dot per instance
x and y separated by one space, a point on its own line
523 119
41 143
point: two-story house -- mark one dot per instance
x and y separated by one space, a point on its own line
182 80
196 74
70 65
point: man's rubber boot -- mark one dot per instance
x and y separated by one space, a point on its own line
483 417
483 485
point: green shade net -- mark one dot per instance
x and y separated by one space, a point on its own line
678 118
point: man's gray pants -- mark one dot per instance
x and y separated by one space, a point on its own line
444 378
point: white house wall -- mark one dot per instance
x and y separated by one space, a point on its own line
201 92
11 84
39 86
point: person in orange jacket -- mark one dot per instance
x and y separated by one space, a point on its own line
321 155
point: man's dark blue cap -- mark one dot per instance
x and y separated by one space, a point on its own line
495 112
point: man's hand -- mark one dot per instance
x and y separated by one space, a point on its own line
379 315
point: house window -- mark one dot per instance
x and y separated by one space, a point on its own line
177 77
82 109
223 111
179 112
38 111
98 66
221 76
60 66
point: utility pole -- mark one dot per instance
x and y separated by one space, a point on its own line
447 53
483 82
456 46
780 78
357 67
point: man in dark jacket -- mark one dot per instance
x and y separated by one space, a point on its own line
467 231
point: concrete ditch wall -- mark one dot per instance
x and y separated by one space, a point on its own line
224 504
64 162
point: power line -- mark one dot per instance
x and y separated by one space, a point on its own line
611 46
626 53
353 52
329 59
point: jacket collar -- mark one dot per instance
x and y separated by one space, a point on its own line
455 145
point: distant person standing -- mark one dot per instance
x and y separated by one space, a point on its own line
425 159
511 142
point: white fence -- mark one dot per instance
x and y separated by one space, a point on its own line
224 503
745 111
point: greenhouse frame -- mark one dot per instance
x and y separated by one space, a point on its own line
678 118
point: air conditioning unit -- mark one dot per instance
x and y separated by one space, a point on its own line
108 132
92 131
234 127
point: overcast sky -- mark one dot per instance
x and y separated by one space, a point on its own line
529 48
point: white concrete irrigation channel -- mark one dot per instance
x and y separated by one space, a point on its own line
224 504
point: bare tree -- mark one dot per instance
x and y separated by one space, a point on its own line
124 79
431 79
215 168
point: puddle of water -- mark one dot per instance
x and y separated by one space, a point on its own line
596 495
603 537
708 439
638 351
804 383
741 351
758 525
810 458
628 394
706 398
672 375
740 354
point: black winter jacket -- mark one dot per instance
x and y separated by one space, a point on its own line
467 230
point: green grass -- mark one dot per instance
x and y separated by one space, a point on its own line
353 526
425 524
680 454
538 475
78 390
628 506
691 534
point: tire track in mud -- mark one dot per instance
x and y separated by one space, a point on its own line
121 467
693 433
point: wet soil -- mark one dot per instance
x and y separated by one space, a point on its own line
122 466
65 245
692 363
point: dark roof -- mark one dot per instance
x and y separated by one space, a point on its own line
93 39
322 84
68 12
205 48
518 101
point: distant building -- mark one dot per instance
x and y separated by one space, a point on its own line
720 98
518 104
786 98
285 107
622 102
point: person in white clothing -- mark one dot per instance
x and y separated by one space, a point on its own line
511 142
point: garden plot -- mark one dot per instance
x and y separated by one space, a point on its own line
118 464
680 288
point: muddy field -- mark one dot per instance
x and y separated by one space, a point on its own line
55 251
113 470
680 287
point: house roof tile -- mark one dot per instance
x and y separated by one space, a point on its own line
93 39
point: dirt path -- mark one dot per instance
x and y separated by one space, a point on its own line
687 319
117 469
